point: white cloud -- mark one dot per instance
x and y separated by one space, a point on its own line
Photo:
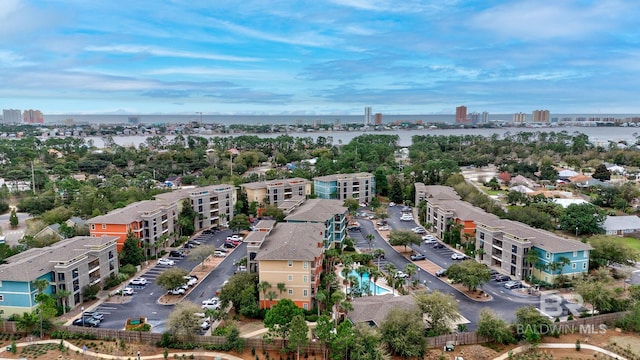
141 49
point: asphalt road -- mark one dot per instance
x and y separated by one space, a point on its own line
13 236
144 302
505 302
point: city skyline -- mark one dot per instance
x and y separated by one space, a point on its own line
318 58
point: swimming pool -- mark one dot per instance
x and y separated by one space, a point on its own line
373 289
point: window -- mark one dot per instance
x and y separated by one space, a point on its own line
290 263
104 226
93 226
575 254
305 293
584 266
290 278
573 266
305 279
548 255
481 236
514 249
290 291
305 306
1 297
305 264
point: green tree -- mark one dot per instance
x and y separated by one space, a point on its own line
131 252
367 344
601 173
183 321
298 334
532 257
582 219
343 341
232 292
491 326
201 253
46 303
441 311
239 222
598 293
325 332
403 331
608 250
404 238
186 219
13 219
27 322
470 273
263 286
530 324
352 205
278 320
172 278
395 193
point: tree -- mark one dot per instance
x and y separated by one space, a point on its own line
598 293
13 219
278 320
186 219
232 292
46 303
530 324
131 252
27 322
608 250
395 193
493 327
404 238
532 257
583 219
367 344
298 334
263 286
441 311
470 273
403 331
325 332
172 278
321 297
370 238
201 253
343 341
601 173
183 321
240 222
352 205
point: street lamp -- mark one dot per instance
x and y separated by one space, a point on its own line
576 231
82 309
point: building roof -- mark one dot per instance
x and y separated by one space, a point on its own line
521 188
464 211
336 177
317 210
127 214
33 263
440 192
265 184
185 193
614 223
76 221
374 309
566 202
289 241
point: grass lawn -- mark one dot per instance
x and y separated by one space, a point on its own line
631 242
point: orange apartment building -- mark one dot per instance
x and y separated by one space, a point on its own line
289 253
155 222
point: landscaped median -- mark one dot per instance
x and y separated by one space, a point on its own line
432 268
201 270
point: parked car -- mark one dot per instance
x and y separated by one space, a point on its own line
93 314
502 278
513 284
234 242
429 240
235 238
191 280
86 322
441 272
127 291
392 204
401 275
457 256
416 257
449 346
176 253
212 303
438 245
229 245
419 230
189 245
222 249
384 228
195 242
406 217
166 262
381 222
353 228
177 291
138 282
219 253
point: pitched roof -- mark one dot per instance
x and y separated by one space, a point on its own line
630 222
374 309
289 241
336 177
317 210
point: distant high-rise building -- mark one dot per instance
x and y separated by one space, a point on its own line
485 117
367 116
475 117
519 118
461 114
33 117
378 119
539 116
11 116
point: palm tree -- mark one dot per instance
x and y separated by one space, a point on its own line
411 269
263 286
361 271
281 288
370 238
374 274
321 296
62 296
531 258
40 285
391 275
378 253
344 307
271 295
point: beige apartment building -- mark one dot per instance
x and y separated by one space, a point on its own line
359 186
275 192
289 253
214 204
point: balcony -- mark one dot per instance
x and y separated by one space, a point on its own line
94 269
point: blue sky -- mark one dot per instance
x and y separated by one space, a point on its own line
319 56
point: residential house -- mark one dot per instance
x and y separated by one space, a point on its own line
68 265
372 310
359 186
504 244
521 180
50 232
291 253
329 213
621 225
276 191
79 225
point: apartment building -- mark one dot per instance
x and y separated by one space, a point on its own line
291 253
329 213
70 265
155 222
276 191
359 186
424 192
504 245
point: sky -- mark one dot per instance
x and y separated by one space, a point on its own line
319 57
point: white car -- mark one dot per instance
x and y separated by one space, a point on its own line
235 238
177 291
384 228
419 230
212 303
191 280
401 275
166 262
392 204
219 254
128 291
138 282
456 256
429 240
406 217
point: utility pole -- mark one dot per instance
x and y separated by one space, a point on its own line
33 178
